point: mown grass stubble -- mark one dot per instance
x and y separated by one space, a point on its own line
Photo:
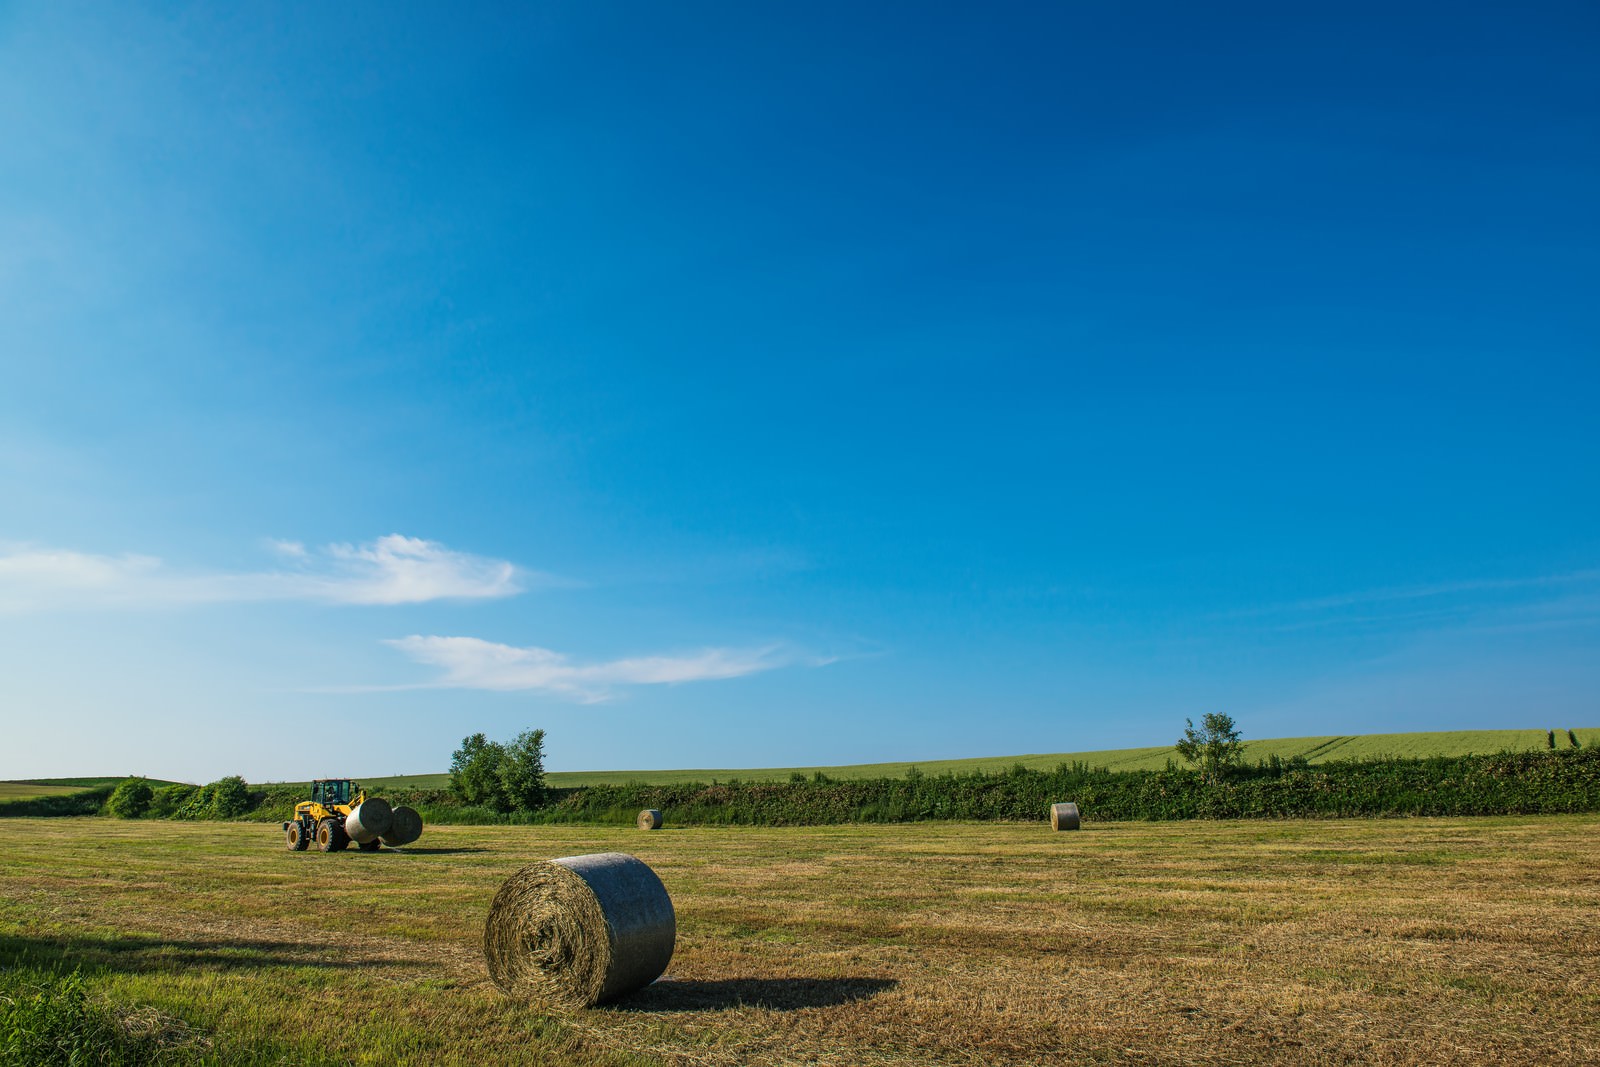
1396 941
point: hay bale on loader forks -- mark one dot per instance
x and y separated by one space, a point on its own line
368 820
576 931
404 828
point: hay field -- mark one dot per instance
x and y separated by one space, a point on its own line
1382 942
59 787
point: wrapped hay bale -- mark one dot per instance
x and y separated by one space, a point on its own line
650 819
1063 816
368 820
579 930
404 828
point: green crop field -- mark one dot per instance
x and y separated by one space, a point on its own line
58 787
29 790
1314 749
1385 942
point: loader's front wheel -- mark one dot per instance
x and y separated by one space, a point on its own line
370 846
331 836
296 837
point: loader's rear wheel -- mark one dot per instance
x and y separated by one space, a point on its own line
331 836
296 837
370 846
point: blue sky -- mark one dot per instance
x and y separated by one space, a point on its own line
749 385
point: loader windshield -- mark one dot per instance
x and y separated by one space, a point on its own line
331 792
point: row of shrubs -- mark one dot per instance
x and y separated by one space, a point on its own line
1505 784
1566 780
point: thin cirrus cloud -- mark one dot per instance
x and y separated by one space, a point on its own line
472 663
390 570
1567 598
1438 590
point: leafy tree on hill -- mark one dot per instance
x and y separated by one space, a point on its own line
522 770
475 773
1215 747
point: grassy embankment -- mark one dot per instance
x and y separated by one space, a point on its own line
1384 943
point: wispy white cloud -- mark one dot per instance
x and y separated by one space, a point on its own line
1437 591
289 549
472 663
390 570
404 570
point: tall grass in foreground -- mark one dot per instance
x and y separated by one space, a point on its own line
47 1017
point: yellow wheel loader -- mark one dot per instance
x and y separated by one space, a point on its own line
338 812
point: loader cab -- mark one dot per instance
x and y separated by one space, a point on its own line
331 791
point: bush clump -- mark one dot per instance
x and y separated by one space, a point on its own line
229 797
170 800
131 799
225 798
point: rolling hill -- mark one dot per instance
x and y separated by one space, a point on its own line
1314 749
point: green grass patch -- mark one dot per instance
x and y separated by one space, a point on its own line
28 791
52 1017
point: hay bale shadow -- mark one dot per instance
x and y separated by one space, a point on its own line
413 850
772 994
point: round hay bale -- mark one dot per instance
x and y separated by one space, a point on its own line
650 819
368 819
579 930
404 828
1063 816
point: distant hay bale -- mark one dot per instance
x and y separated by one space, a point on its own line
368 820
404 828
650 819
1063 816
579 930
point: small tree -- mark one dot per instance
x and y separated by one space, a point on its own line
1215 747
131 798
1573 738
475 773
1550 739
522 770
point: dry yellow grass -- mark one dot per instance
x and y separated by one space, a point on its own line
1394 942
